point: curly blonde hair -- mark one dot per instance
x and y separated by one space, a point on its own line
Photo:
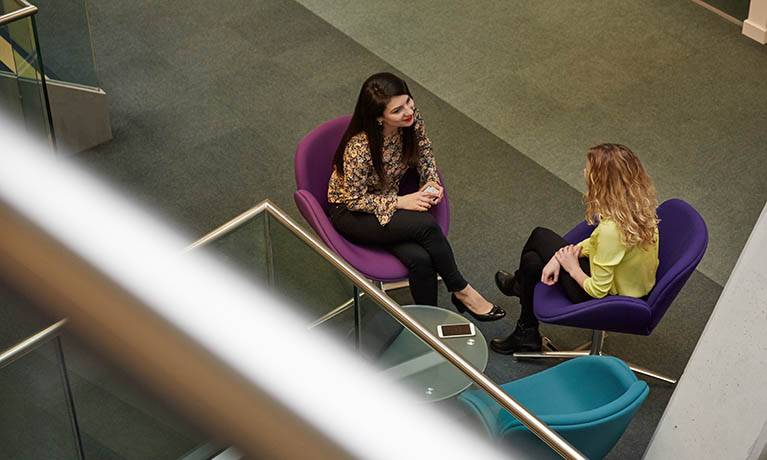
619 189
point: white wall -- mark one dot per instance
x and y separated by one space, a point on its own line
719 407
755 27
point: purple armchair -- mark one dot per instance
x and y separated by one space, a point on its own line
683 240
313 167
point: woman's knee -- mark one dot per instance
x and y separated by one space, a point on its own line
540 232
428 227
531 265
413 223
544 241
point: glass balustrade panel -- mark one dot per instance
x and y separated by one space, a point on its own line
117 417
311 282
21 82
245 248
326 297
65 36
36 423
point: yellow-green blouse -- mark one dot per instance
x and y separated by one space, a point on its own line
615 268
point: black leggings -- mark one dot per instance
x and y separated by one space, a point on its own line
538 250
415 238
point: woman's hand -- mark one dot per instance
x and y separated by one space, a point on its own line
568 258
435 197
550 273
416 201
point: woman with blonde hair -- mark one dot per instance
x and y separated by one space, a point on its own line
620 257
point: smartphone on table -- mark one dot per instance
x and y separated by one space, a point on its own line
445 331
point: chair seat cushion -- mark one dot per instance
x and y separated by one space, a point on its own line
375 264
614 313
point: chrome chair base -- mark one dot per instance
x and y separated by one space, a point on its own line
594 347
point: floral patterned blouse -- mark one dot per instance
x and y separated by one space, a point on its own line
360 188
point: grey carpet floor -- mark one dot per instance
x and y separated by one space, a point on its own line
208 104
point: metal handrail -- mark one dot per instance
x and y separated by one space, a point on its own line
26 10
29 344
533 423
231 225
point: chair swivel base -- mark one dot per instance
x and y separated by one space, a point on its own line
594 347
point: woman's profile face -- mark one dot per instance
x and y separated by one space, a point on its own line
398 112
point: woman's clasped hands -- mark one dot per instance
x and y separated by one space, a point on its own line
567 257
423 199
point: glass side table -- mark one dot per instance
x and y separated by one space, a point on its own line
415 364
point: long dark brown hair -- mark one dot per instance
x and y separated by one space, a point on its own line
376 92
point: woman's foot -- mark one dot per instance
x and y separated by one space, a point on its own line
507 283
468 299
524 338
473 300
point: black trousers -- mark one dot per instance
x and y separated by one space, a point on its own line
538 250
413 237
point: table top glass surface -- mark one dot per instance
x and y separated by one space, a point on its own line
412 362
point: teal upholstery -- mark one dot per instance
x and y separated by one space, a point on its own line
588 400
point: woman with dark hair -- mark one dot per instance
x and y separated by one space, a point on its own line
386 136
619 257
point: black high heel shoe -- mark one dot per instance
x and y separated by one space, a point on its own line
495 313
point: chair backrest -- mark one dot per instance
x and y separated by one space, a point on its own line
588 400
314 158
683 241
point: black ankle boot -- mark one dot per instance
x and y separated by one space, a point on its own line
507 283
522 339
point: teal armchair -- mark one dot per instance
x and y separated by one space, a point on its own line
590 401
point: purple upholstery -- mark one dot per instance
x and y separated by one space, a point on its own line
313 167
683 241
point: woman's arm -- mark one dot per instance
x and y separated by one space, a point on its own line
550 273
426 165
568 259
606 251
